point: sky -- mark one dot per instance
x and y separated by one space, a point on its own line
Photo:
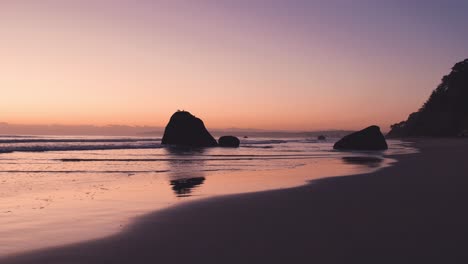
278 65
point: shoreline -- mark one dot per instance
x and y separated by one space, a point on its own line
45 209
393 214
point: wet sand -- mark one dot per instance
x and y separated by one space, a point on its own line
412 212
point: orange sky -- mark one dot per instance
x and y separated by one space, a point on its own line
247 66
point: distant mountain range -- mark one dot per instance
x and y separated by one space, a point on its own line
122 130
57 129
265 133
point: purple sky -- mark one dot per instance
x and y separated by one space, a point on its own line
258 64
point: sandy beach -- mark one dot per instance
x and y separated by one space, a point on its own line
412 212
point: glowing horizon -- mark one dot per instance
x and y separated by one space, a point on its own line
276 65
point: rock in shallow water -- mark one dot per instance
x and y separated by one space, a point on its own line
184 129
229 142
367 139
321 137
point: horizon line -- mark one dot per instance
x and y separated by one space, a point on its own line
216 129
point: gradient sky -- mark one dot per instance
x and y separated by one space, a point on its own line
298 65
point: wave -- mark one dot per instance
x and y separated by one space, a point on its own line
278 141
263 142
75 140
84 171
18 136
44 148
260 147
221 158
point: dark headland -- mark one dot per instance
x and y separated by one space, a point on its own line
445 113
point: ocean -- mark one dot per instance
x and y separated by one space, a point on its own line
56 190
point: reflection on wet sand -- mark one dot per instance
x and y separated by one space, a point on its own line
183 187
185 175
371 162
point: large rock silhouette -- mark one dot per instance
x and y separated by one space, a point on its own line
229 142
367 139
184 129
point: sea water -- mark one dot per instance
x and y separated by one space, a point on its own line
57 190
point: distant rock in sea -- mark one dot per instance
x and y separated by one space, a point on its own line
229 142
184 129
321 137
367 139
445 113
